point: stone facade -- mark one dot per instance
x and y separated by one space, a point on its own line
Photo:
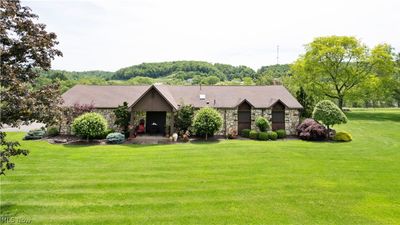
229 116
109 116
169 123
292 119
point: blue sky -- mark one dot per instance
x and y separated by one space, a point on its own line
108 35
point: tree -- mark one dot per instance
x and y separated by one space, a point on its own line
248 81
184 117
334 65
123 117
307 101
25 46
207 121
328 113
89 125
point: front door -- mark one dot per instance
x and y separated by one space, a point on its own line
155 122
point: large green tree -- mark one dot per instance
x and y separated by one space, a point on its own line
333 66
25 47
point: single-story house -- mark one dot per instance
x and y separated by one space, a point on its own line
155 104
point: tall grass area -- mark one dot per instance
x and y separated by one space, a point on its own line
229 182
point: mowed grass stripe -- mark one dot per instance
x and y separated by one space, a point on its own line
229 182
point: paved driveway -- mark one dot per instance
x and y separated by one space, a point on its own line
23 128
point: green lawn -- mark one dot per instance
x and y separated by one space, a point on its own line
230 182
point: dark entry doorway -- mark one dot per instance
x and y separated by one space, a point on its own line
155 122
244 116
278 116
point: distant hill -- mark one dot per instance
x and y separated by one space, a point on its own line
184 70
172 73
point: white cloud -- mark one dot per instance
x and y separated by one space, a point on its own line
109 35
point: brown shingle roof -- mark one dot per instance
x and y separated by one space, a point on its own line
216 96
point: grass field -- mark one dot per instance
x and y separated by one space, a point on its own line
230 182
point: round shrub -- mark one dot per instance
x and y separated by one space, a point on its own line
342 136
262 124
263 136
52 131
89 125
328 113
207 121
253 134
245 133
35 134
281 133
272 135
115 138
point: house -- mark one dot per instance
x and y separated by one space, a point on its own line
155 104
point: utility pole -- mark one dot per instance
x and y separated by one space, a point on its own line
277 55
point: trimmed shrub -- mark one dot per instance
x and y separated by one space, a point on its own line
281 133
35 134
311 130
328 113
342 136
89 125
272 135
262 124
207 121
263 136
115 138
52 131
253 134
245 133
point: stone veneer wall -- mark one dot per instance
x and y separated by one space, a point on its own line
255 113
107 113
136 116
169 123
231 117
109 116
292 119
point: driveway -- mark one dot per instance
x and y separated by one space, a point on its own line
22 128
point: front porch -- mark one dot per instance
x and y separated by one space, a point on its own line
149 139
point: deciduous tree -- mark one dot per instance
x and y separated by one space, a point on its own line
25 46
334 65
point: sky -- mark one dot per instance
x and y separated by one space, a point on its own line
109 35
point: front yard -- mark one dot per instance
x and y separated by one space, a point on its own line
229 182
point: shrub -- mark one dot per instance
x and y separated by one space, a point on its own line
207 121
281 133
183 118
342 136
328 113
123 117
253 134
311 130
104 135
35 134
115 138
262 124
89 125
263 136
245 133
52 131
272 135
